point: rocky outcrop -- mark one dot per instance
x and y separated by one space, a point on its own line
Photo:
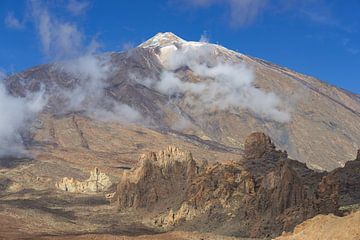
260 154
262 195
159 181
344 182
97 182
257 145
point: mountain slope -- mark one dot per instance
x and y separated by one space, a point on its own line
313 121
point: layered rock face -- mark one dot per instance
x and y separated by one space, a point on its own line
97 182
261 195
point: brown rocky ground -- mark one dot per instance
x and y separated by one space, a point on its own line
32 205
327 227
164 236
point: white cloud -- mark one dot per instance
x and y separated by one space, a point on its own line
16 115
77 7
88 95
223 85
12 22
59 39
62 40
205 38
119 112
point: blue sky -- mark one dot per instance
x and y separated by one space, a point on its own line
315 37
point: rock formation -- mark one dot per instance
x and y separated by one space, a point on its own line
262 195
345 182
257 145
97 182
158 181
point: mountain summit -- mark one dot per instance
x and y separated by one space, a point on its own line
162 39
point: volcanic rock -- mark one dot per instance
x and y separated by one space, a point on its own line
345 182
159 180
257 145
97 182
232 198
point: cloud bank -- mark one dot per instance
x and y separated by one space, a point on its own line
223 86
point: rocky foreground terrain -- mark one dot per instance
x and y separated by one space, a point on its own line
260 195
217 161
327 227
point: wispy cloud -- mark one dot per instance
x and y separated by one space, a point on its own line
242 13
317 12
127 46
346 43
77 7
12 22
245 12
63 40
58 38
